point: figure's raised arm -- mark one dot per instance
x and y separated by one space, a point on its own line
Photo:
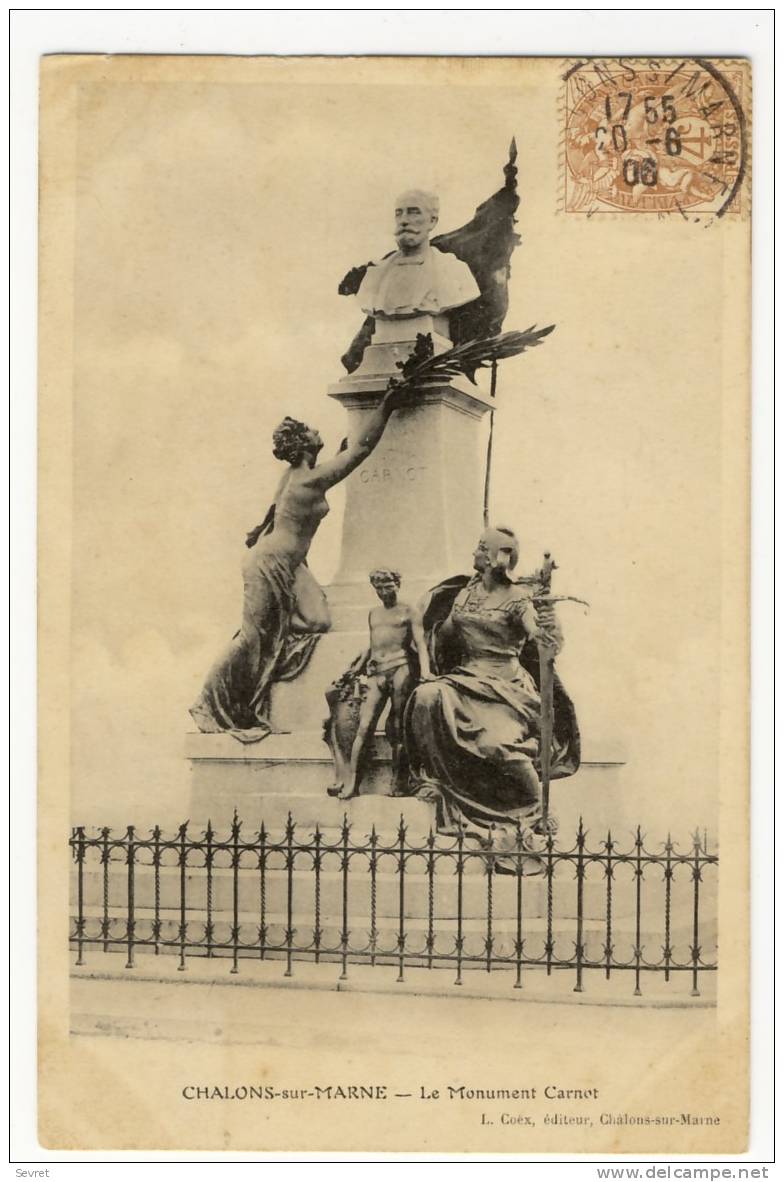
331 472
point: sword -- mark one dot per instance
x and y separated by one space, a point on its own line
540 584
546 677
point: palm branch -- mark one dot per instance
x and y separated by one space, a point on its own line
423 366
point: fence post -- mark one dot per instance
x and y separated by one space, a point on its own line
638 873
373 894
156 863
489 869
317 894
290 827
519 933
608 944
695 947
235 892
79 854
105 921
183 858
208 856
459 937
131 921
580 870
431 871
344 932
401 934
668 871
549 943
262 890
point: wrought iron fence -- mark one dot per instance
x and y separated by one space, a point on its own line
327 895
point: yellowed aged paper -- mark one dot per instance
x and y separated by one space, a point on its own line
196 218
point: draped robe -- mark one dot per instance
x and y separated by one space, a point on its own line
472 734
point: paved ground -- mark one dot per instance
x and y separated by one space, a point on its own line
148 1038
208 1003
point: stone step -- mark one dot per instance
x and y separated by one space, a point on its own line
303 883
422 937
363 813
477 887
305 919
290 772
303 744
139 1003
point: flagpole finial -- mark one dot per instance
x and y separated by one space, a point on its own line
510 168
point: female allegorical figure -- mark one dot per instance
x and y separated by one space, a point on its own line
283 610
472 733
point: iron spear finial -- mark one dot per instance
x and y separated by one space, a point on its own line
510 171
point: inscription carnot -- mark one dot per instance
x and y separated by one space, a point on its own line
407 474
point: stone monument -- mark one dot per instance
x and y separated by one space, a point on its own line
413 499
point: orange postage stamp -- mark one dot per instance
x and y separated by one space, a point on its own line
657 136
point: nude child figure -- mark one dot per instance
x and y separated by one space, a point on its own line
395 634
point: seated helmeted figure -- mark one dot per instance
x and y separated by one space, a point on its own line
416 279
472 733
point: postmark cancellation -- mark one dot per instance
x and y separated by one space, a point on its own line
668 137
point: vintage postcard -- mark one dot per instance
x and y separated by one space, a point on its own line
394 420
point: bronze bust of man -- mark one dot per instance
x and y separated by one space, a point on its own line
416 279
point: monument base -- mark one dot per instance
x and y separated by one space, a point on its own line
291 773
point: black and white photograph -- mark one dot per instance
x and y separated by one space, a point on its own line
393 603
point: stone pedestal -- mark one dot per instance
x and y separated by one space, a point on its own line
290 773
416 503
392 342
